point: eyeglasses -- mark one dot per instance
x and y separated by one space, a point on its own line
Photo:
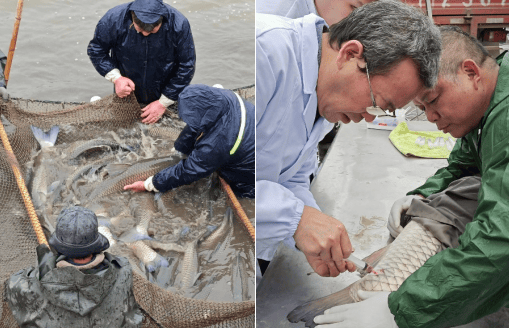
375 110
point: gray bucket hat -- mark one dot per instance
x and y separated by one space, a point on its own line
76 234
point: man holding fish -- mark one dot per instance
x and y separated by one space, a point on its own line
152 53
469 281
309 77
219 136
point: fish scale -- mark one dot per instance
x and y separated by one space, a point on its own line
407 253
413 247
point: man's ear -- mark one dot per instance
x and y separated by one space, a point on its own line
351 50
470 68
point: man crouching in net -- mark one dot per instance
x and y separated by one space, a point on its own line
80 286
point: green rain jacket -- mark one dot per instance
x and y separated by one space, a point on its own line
460 285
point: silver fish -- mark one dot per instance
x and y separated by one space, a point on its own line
169 133
240 287
139 171
392 265
218 234
147 255
80 148
189 271
168 247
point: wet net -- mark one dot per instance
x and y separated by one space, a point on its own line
80 123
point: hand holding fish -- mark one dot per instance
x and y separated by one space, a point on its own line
355 315
123 86
398 208
325 243
153 112
137 186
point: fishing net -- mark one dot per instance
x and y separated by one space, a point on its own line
162 307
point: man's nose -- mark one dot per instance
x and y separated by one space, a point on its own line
432 115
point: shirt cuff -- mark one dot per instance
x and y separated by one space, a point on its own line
165 101
113 75
149 185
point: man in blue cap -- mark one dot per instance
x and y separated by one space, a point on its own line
219 136
152 53
81 286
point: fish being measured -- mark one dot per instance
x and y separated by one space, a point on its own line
392 265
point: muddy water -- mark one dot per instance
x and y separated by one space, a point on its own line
179 216
51 63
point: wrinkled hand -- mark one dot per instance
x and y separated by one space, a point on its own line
123 86
136 186
398 209
153 112
325 243
373 312
4 93
356 117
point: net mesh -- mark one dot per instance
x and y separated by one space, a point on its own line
18 241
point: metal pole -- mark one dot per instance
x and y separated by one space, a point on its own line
14 38
428 9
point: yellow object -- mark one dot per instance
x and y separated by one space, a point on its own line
426 144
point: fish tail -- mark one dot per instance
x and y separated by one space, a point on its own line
46 139
308 311
159 261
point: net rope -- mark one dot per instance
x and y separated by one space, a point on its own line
18 241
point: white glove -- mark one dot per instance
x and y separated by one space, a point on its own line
355 315
399 206
4 93
149 185
167 102
176 152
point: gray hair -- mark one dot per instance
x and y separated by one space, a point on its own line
458 46
391 31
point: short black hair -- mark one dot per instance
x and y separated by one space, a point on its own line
144 26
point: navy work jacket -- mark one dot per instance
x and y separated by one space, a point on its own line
213 118
160 63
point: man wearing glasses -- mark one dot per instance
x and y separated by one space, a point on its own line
381 56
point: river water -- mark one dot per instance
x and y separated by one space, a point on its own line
51 61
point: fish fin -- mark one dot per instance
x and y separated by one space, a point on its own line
198 275
114 169
45 139
104 222
51 188
158 196
308 311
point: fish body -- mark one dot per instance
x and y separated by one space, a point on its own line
147 256
80 148
168 133
409 251
139 171
240 288
218 234
189 271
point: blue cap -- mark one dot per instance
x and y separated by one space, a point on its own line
148 11
76 234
